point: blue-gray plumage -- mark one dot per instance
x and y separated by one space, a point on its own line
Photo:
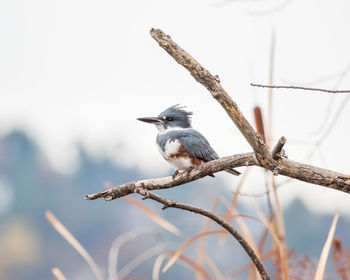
181 145
194 143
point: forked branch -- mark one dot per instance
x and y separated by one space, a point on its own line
262 155
286 167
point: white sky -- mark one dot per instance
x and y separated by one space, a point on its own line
83 71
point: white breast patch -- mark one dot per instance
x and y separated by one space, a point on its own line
181 163
172 148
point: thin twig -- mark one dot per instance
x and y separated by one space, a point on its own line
303 88
173 204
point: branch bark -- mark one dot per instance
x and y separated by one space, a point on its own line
286 167
180 178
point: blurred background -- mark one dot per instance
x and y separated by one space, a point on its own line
75 75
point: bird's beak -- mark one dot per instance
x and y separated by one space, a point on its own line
153 120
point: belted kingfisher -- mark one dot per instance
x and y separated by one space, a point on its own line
181 145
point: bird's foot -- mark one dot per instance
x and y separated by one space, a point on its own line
175 174
188 171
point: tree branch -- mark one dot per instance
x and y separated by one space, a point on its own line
314 175
173 204
303 88
262 156
180 178
212 83
286 167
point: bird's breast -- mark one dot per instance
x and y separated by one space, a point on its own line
175 153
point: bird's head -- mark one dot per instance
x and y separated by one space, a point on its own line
173 117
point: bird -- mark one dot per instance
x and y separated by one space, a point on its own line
179 144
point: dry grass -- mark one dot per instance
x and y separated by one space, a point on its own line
196 267
204 266
61 229
325 251
58 274
119 242
341 259
153 216
178 253
201 246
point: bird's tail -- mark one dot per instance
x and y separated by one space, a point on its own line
233 172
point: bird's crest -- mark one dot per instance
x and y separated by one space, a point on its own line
176 116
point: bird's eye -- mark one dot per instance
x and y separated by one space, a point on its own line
169 119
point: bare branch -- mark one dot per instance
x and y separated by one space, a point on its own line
212 83
173 204
180 178
303 88
262 156
314 175
276 152
286 167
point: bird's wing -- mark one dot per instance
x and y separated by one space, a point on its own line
197 146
